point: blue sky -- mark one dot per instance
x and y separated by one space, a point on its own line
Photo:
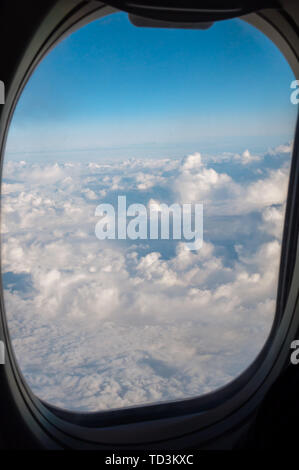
112 85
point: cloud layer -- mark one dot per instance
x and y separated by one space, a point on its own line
107 324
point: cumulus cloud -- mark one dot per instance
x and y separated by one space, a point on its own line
246 157
195 182
223 195
107 324
273 220
283 148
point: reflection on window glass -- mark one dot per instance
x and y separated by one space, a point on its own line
110 304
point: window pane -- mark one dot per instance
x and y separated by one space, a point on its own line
102 314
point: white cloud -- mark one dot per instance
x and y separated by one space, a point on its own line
104 324
273 220
284 148
246 157
268 191
222 195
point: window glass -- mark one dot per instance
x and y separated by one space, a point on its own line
143 198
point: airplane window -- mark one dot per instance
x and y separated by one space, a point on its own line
143 197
